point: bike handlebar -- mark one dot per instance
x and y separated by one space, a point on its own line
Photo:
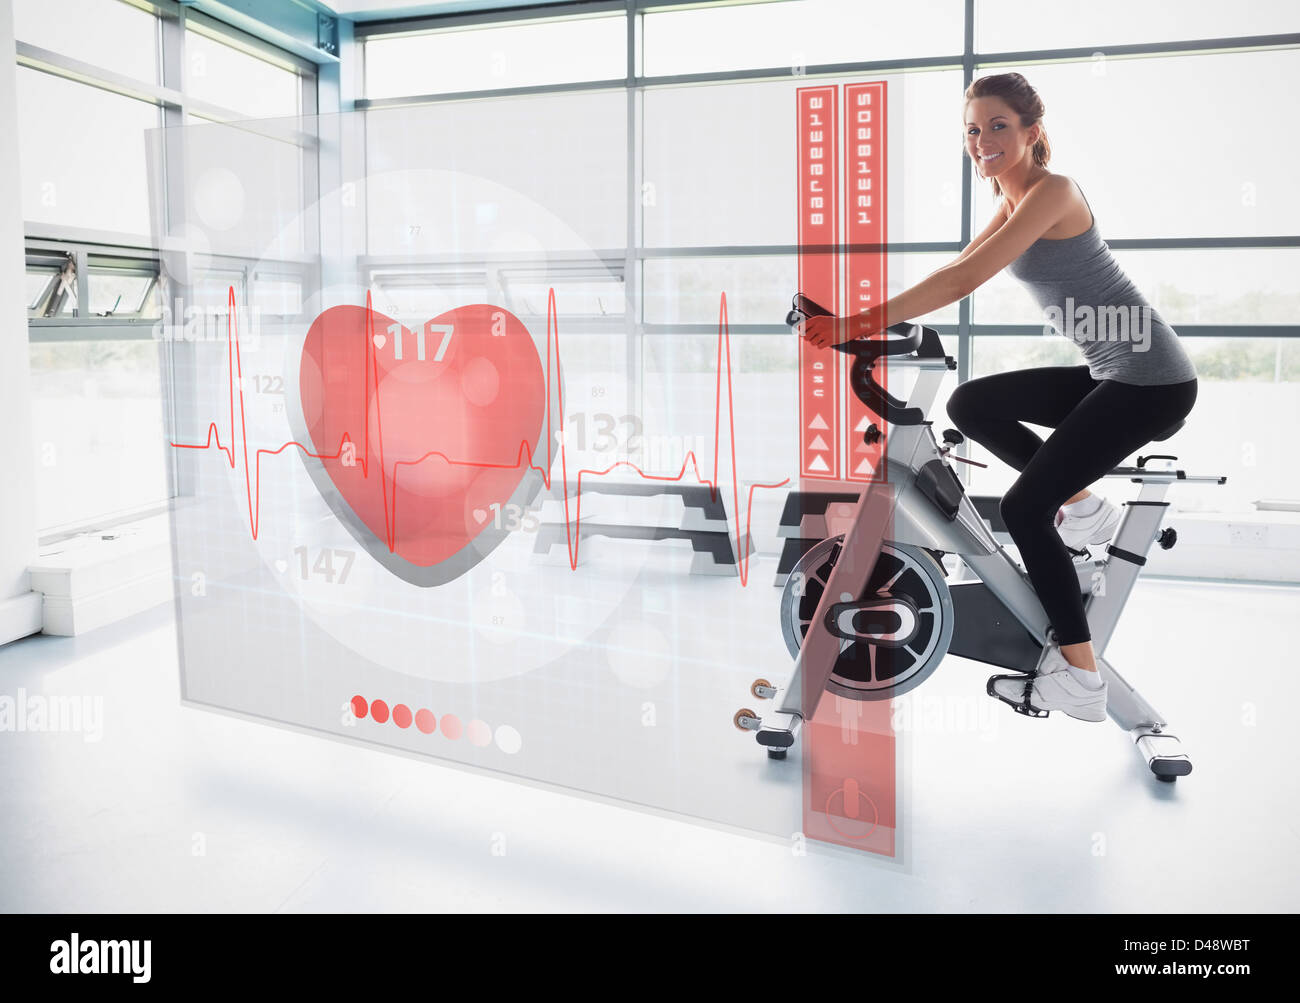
865 351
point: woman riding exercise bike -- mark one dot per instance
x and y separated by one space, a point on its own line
1137 380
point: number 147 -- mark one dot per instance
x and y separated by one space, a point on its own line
324 566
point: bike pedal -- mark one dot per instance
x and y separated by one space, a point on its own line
1021 706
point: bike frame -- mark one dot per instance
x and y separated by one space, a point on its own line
894 509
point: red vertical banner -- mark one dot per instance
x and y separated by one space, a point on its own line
850 751
866 271
819 276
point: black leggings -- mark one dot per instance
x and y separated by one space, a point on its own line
1097 423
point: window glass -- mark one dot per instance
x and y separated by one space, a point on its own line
104 33
277 294
97 411
244 187
115 292
512 55
36 284
1255 380
680 404
686 290
210 293
1002 25
49 292
83 164
715 37
534 160
1187 286
720 161
223 75
1179 146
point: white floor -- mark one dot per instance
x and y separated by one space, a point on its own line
179 809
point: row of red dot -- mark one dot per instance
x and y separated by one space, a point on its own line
403 718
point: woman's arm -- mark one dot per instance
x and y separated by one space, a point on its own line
1044 206
995 224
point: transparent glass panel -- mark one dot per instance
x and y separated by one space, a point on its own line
532 679
512 55
104 33
97 410
720 161
277 294
512 198
688 290
1001 25
750 36
681 405
1212 162
521 290
420 295
211 291
89 176
1255 381
527 290
243 185
231 78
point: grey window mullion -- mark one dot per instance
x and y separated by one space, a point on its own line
470 19
250 45
83 282
1184 330
1136 49
632 315
56 64
967 199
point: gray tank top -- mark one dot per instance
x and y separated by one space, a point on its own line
1086 297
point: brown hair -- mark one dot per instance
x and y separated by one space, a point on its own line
1016 91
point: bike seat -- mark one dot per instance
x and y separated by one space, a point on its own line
1169 431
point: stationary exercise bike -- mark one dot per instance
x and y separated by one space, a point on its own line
868 613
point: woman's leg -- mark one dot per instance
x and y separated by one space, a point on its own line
1104 427
990 409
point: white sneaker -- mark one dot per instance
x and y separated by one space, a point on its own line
1077 531
1055 688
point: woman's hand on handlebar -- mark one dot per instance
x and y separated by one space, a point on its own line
826 331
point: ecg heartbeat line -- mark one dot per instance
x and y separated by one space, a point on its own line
523 457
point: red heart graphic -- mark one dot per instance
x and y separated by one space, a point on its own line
420 433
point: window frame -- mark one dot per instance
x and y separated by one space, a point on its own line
969 60
46 243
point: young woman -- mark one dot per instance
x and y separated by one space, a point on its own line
1134 385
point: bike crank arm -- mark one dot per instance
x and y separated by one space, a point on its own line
841 617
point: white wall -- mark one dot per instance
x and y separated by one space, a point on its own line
17 461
